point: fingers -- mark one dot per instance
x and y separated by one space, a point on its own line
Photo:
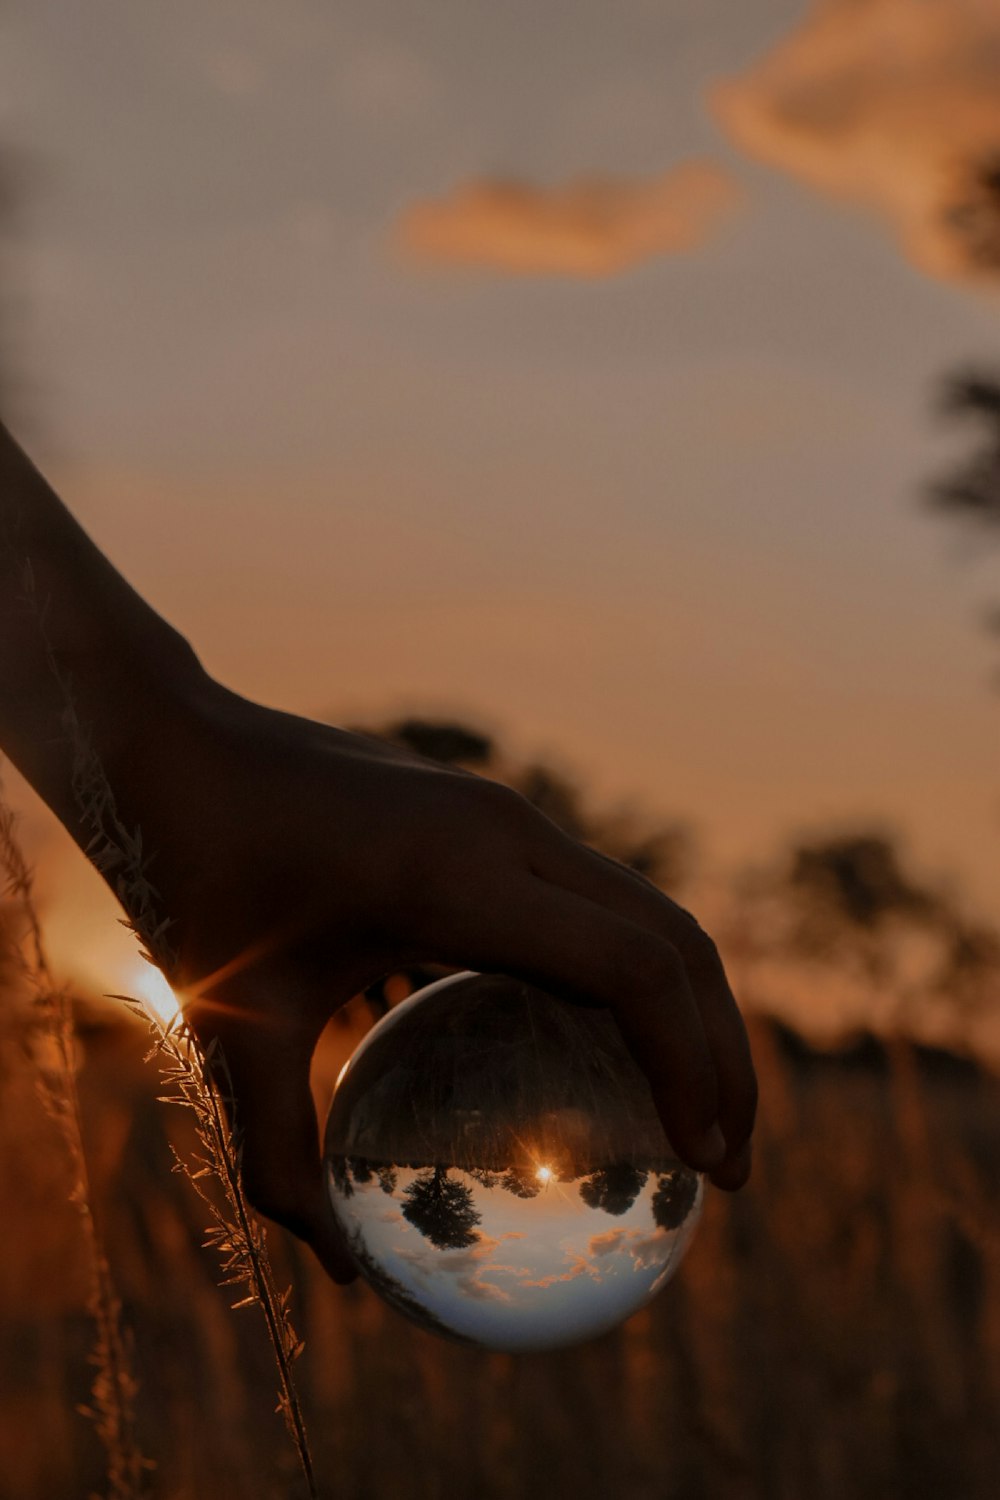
266 1069
575 948
612 885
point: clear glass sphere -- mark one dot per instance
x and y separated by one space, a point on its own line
498 1168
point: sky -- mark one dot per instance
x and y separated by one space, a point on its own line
570 368
538 1273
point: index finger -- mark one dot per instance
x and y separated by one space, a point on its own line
580 951
604 880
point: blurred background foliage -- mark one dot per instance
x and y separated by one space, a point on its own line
835 1330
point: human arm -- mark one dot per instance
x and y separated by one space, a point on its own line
299 863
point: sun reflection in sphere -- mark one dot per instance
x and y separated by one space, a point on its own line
497 1166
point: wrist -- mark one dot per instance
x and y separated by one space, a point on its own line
138 709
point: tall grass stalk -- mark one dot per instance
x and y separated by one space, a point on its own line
52 1046
196 1078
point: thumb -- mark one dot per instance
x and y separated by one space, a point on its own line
272 1111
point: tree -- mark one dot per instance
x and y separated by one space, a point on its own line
902 951
442 1210
521 1182
613 1189
484 1176
340 1171
675 1197
971 494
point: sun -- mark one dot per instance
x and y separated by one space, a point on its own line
543 1174
148 985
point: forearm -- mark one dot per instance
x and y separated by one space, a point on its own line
69 620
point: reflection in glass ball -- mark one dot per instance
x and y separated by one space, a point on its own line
496 1163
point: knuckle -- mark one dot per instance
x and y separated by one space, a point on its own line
480 817
503 802
700 953
649 969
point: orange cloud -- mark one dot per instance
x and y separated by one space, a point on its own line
579 1266
896 105
594 226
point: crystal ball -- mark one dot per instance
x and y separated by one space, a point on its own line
497 1166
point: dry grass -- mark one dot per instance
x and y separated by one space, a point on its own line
834 1333
50 1043
195 1079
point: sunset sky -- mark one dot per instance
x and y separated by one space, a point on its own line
567 366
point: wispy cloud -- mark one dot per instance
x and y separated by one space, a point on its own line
645 1249
894 104
468 1267
591 227
579 1266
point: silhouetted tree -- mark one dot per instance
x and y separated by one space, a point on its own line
387 1177
484 1176
442 1210
361 1170
613 1189
341 1176
522 1183
973 212
859 877
442 740
901 948
674 1198
972 493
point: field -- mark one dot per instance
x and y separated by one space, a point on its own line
834 1332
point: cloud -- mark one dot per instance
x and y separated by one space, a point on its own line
608 1243
467 1267
649 1250
579 1266
645 1250
591 227
894 104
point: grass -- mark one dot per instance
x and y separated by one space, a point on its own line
195 1079
50 1044
834 1332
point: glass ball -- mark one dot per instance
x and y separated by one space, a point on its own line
497 1166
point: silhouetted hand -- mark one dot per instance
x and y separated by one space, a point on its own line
300 863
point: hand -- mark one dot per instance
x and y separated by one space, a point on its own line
300 863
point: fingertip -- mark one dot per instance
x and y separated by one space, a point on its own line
734 1172
708 1151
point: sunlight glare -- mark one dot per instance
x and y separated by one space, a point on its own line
148 985
543 1174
